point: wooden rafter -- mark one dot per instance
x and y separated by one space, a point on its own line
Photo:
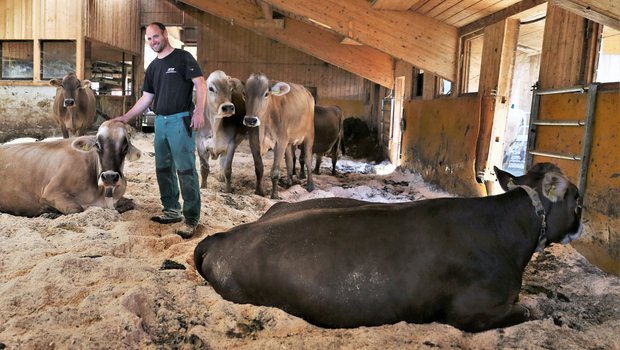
364 61
422 41
397 5
606 12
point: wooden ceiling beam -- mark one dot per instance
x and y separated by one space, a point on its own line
500 16
397 5
606 12
364 61
422 41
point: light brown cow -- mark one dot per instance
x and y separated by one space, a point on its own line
66 176
75 108
224 129
285 114
328 136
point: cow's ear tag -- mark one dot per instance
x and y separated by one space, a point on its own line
280 89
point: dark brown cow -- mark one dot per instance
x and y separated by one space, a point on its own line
339 262
68 175
285 114
74 106
224 129
328 136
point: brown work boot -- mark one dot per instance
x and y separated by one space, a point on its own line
187 231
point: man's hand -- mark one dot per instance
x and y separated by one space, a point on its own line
198 121
121 118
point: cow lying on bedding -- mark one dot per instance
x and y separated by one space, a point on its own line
346 263
66 176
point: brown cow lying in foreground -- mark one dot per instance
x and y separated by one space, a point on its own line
224 129
65 176
285 114
339 262
74 106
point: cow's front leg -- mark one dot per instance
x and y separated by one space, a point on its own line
227 165
203 156
258 160
278 154
64 202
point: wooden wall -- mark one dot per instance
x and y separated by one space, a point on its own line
439 142
114 23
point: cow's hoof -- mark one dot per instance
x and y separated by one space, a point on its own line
310 187
124 204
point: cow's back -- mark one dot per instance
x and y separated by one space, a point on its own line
28 169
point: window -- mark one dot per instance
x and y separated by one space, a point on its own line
444 87
16 59
472 60
608 64
417 90
57 58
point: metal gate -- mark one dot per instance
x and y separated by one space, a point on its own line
537 120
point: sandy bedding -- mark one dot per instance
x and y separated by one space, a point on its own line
94 280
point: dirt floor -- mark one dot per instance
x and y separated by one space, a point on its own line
104 280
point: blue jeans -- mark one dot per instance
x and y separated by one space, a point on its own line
175 164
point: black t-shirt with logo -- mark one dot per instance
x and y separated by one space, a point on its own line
170 79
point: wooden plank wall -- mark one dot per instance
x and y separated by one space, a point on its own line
115 23
16 19
40 19
240 52
563 46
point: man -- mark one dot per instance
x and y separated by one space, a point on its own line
168 83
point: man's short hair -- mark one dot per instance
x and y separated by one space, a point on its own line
159 24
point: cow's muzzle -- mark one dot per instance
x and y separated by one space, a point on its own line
227 109
251 122
69 102
109 180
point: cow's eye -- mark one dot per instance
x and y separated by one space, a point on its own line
98 147
266 94
125 148
243 95
211 89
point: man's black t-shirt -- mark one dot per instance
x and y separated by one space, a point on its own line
170 79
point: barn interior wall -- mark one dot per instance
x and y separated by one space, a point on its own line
26 111
439 142
104 14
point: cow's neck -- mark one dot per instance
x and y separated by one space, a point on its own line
540 212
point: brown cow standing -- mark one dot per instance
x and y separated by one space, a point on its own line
328 136
66 176
74 106
285 113
224 129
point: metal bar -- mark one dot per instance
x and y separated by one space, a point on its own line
555 155
581 89
587 141
531 137
560 122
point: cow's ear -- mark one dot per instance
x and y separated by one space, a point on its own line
506 180
85 83
554 186
84 143
280 88
56 82
134 153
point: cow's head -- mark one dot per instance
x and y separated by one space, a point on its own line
220 89
69 85
111 145
257 93
557 197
